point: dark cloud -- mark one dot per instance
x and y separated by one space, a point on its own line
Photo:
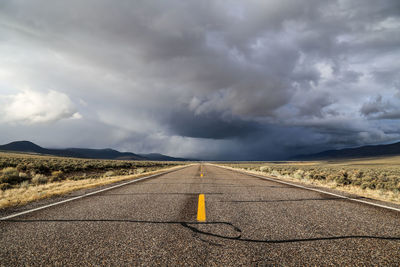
375 106
210 125
213 79
381 109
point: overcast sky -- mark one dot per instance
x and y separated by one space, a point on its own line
255 80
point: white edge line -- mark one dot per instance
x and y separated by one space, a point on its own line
85 195
312 189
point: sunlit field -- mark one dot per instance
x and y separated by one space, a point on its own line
26 177
372 177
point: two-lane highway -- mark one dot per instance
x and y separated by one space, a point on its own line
248 221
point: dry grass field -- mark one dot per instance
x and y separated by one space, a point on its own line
25 177
377 178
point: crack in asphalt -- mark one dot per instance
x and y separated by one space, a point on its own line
192 227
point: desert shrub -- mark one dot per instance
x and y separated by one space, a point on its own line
21 167
372 185
309 175
380 177
319 176
40 179
264 169
381 185
24 184
32 173
5 186
364 185
57 175
275 173
358 174
24 175
43 168
11 175
298 174
109 174
343 178
140 170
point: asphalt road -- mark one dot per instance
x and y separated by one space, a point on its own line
249 222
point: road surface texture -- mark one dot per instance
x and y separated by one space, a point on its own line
249 221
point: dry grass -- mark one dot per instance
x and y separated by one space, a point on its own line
16 168
26 177
26 193
377 178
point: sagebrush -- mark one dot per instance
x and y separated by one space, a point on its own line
24 169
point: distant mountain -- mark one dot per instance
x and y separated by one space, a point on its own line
106 153
358 152
23 146
29 147
156 156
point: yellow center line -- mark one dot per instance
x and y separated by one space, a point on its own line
201 209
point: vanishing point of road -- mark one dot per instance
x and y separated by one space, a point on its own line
203 215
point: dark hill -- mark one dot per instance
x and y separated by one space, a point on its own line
23 146
358 152
29 147
104 154
156 156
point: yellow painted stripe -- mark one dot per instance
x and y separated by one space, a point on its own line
201 209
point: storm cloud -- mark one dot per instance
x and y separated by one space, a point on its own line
202 79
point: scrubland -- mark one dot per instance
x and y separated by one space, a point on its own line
25 177
377 178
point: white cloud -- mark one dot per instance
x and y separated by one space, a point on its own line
30 107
